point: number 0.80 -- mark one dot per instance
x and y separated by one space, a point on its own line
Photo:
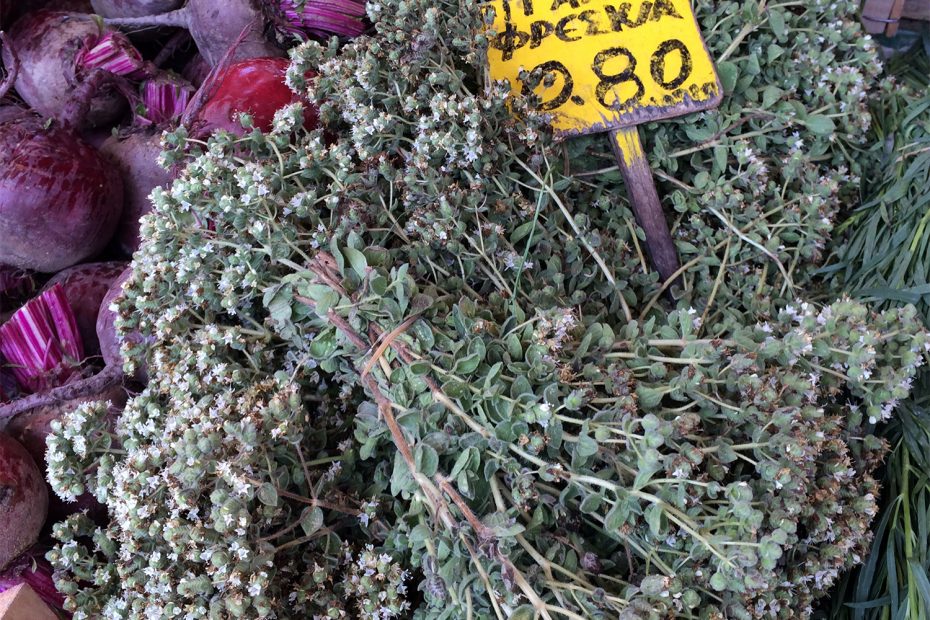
608 82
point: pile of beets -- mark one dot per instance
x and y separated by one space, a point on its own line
87 87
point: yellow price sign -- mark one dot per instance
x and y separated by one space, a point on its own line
610 65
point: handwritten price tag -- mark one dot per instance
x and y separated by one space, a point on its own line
609 65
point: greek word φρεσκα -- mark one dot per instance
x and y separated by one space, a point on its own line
611 19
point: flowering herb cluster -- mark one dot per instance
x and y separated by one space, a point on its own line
414 363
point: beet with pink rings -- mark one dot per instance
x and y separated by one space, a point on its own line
85 287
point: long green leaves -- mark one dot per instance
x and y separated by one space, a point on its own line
886 257
894 582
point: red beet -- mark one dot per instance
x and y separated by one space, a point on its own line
255 86
196 70
215 26
85 287
59 199
23 500
133 8
135 156
106 331
47 44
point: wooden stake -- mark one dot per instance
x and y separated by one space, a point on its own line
22 603
645 199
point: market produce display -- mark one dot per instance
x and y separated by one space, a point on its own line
306 316
24 501
882 257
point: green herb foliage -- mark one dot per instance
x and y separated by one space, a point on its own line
430 330
892 582
886 254
882 257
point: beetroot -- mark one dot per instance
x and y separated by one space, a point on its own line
255 86
135 156
85 287
23 500
215 26
115 53
107 335
47 44
133 8
196 70
59 199
41 342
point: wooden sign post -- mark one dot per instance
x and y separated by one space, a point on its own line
610 65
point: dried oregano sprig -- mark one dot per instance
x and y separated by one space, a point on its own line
728 466
221 504
521 423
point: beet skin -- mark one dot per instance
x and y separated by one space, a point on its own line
255 86
47 44
60 200
136 158
23 500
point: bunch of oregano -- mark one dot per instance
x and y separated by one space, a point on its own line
415 364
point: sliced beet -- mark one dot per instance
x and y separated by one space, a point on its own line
85 287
